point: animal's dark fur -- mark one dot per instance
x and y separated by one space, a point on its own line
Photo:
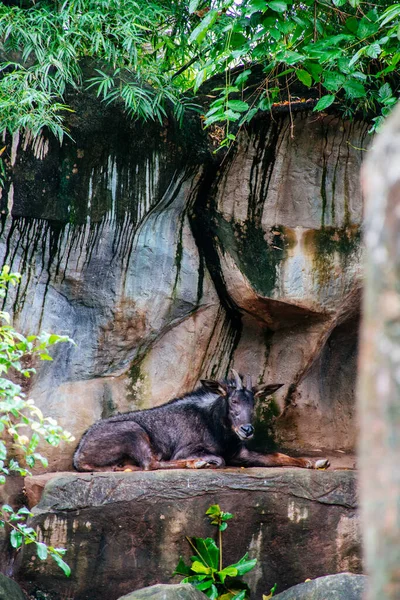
205 428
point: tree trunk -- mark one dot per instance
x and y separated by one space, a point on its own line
379 382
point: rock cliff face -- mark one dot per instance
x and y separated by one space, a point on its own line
166 267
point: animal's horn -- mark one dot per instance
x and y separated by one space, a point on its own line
238 381
249 383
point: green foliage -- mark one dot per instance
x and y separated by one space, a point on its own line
22 424
207 573
137 46
347 51
154 55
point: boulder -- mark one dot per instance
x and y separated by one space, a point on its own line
125 531
180 591
10 590
344 586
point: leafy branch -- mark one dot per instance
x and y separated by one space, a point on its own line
22 424
153 57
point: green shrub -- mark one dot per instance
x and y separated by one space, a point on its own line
22 424
207 573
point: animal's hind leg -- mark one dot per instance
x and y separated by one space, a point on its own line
247 458
105 449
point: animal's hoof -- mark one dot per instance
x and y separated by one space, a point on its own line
323 463
200 464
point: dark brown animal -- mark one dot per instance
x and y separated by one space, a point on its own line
206 428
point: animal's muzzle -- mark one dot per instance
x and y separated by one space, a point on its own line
246 431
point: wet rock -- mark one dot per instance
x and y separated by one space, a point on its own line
125 531
344 586
9 589
166 592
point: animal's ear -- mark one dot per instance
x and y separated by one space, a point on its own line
215 387
266 390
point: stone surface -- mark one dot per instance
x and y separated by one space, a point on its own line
166 268
166 592
344 586
125 531
9 590
379 391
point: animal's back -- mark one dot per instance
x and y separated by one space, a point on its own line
179 423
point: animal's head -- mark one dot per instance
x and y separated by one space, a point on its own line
240 397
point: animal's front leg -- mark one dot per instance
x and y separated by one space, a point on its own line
247 458
200 461
206 462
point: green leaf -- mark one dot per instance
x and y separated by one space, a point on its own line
193 4
315 70
63 565
277 6
204 585
199 33
289 57
352 24
199 567
44 356
227 572
304 77
3 450
207 550
41 550
35 439
357 56
324 102
366 28
230 115
385 91
16 538
194 578
242 77
42 459
373 50
200 78
258 5
238 105
333 80
240 596
354 89
245 565
390 14
25 511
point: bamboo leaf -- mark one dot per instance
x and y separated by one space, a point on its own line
199 33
